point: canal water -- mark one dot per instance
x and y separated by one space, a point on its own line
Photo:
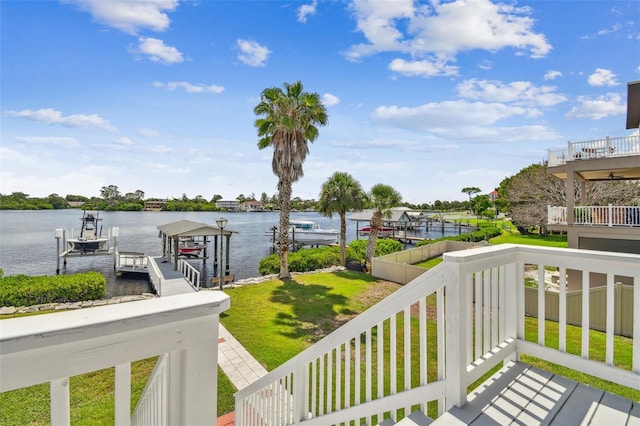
28 244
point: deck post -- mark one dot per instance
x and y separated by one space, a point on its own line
456 337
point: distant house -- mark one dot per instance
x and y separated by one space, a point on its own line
229 205
155 205
252 206
76 204
493 196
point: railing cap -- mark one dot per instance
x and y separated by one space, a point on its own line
102 320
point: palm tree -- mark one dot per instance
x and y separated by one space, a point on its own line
383 198
339 194
288 120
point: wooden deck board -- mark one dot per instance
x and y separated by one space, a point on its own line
523 395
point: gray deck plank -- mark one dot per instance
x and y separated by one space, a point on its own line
513 400
634 415
612 410
579 407
489 390
548 402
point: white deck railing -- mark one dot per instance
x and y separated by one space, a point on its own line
596 215
600 148
183 328
191 274
389 361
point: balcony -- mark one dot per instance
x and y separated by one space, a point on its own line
426 343
595 149
610 216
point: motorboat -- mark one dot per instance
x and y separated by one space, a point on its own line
90 239
190 248
383 231
307 233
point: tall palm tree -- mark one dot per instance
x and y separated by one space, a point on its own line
288 120
339 194
382 198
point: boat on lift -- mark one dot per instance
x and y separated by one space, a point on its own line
90 240
307 233
190 248
383 231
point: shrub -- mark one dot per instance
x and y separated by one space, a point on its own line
24 290
483 234
357 248
302 260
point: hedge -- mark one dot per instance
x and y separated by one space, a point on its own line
483 234
318 258
24 290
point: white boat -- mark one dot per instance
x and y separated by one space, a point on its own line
307 233
90 239
190 248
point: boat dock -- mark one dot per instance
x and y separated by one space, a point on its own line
131 262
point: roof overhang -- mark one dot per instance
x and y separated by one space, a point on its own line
633 105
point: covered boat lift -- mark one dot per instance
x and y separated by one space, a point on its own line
171 234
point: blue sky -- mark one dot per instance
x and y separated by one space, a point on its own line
428 97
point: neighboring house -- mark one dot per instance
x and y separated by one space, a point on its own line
75 204
155 205
493 196
229 205
608 228
252 206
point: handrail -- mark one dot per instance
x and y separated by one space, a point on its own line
53 347
628 216
191 274
598 148
155 275
332 355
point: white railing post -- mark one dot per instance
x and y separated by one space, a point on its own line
456 338
299 395
59 397
123 394
610 215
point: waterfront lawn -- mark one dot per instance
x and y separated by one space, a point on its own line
276 320
553 240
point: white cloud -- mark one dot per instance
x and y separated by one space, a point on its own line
157 51
49 140
519 92
445 114
552 75
148 133
600 107
306 10
159 149
252 53
123 141
130 16
425 68
444 28
188 87
329 100
52 116
602 77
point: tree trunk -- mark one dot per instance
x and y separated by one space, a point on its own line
343 238
284 194
376 221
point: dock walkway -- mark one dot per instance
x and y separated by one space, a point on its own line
171 282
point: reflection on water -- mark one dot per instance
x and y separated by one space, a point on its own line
28 244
